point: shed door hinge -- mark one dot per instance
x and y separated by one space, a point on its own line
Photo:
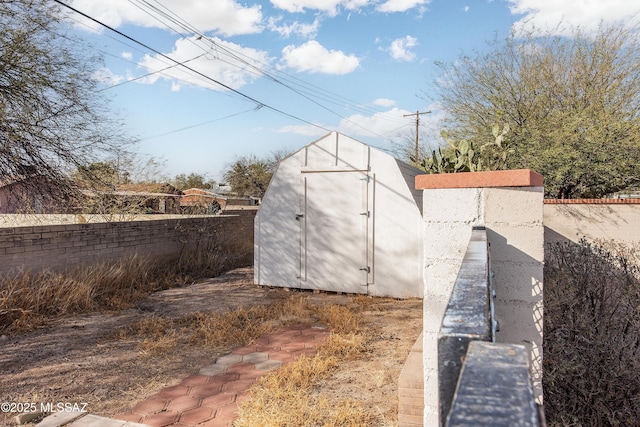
367 214
367 269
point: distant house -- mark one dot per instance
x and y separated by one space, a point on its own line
243 201
236 200
24 194
199 201
150 198
30 195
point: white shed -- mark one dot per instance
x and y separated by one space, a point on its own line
341 216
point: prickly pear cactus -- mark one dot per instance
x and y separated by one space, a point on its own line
463 156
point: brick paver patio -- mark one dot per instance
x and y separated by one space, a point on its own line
210 398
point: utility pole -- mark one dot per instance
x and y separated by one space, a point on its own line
417 114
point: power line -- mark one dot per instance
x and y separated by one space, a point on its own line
255 101
161 71
304 89
152 73
200 124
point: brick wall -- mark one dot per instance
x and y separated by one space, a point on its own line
62 247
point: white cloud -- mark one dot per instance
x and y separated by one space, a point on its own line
329 7
381 123
298 28
466 8
401 5
386 123
400 49
217 64
104 75
226 17
315 58
548 14
307 130
127 55
384 102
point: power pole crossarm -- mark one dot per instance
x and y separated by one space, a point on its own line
417 114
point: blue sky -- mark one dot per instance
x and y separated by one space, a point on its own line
276 75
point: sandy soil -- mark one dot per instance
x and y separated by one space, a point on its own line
80 359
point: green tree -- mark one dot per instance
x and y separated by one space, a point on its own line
250 175
572 105
52 119
98 175
193 180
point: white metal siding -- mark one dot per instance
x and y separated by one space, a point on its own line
341 216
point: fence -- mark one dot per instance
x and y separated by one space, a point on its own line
592 219
62 247
509 204
480 382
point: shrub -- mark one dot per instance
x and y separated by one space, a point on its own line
592 336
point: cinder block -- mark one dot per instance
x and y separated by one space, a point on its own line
446 240
514 205
517 282
516 243
430 352
451 205
431 416
69 244
434 308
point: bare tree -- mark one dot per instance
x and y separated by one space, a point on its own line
52 119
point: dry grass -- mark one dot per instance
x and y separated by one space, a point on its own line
113 370
214 329
341 319
286 397
243 325
229 329
29 300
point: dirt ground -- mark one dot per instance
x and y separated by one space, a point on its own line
82 360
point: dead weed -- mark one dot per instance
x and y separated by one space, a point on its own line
285 397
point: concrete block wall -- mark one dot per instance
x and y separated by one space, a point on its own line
510 205
593 219
62 247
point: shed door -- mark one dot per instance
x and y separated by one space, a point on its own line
335 234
